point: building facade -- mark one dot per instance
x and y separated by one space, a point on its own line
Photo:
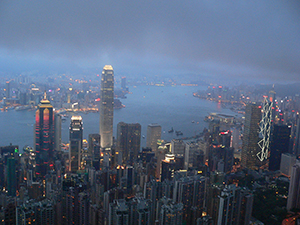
75 147
107 107
251 137
44 136
153 134
128 141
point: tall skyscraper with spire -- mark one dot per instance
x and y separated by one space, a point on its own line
44 136
107 107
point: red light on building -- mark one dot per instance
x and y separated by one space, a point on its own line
220 86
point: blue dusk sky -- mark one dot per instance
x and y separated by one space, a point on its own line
257 40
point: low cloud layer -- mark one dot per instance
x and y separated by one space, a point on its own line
240 39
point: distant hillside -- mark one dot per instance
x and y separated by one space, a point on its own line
281 90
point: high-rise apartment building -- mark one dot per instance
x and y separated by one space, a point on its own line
251 137
107 107
75 147
128 141
234 206
153 134
44 136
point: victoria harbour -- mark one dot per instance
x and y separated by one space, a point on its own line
170 106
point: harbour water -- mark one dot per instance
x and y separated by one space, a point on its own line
168 106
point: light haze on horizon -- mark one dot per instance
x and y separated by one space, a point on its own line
256 40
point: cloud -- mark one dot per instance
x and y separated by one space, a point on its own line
219 38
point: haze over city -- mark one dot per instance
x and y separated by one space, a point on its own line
257 40
150 112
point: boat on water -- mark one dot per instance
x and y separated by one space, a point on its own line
171 131
143 136
178 132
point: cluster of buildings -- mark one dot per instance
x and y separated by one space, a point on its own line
113 181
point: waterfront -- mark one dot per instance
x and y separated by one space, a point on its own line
169 106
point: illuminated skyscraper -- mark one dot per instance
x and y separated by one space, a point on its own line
153 134
107 107
44 136
251 136
75 148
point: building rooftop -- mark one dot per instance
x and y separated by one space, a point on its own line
108 67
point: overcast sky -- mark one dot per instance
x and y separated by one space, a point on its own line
221 39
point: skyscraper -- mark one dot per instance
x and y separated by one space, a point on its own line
107 107
280 140
153 134
57 127
8 90
250 138
128 140
11 176
75 148
44 136
294 195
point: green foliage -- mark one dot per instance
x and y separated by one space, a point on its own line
269 207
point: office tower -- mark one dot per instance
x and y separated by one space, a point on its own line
94 149
168 167
178 147
44 136
128 141
75 147
280 140
8 89
11 176
153 134
294 188
220 158
129 178
107 107
57 132
225 138
123 83
251 138
191 150
287 162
